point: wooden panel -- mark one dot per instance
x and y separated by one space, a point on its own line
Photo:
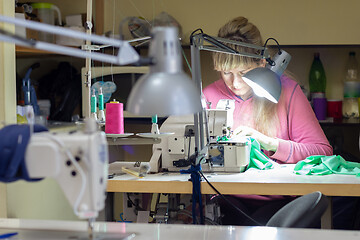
3 201
99 17
149 187
290 22
233 188
7 88
7 70
277 181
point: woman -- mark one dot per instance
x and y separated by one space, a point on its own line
287 131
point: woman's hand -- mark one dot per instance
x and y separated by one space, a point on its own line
267 143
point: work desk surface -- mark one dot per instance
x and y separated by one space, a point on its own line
45 229
278 181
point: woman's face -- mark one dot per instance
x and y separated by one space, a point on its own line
233 79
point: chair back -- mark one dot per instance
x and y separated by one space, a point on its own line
302 212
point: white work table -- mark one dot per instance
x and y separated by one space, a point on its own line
277 181
45 229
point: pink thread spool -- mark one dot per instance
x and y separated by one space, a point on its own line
114 123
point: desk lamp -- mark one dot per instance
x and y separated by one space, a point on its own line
265 81
171 88
165 91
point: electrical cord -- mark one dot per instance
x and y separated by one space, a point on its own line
186 60
193 33
271 62
230 203
277 43
77 166
137 206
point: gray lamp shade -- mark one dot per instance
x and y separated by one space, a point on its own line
264 82
164 94
166 90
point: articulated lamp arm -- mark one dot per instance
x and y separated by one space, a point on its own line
205 42
264 81
126 54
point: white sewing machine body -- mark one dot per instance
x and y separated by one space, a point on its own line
173 152
78 161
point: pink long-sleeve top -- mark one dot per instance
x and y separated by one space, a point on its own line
299 133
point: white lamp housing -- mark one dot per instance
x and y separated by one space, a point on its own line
280 61
166 89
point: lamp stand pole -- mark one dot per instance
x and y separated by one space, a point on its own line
86 86
198 117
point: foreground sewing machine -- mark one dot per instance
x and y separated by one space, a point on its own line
223 154
78 159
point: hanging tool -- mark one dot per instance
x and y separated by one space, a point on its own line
29 90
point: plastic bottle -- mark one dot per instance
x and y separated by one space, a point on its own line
317 84
317 77
46 14
351 88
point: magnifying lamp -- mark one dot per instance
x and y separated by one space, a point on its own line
265 81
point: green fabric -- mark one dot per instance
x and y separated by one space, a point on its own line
258 159
324 165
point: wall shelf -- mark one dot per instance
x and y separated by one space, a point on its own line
30 52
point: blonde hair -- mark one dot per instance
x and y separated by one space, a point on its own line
240 29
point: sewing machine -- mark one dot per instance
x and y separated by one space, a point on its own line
78 161
222 154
